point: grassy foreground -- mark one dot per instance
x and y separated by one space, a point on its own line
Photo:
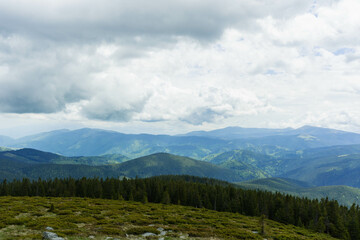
84 218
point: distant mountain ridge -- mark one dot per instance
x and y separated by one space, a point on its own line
230 133
197 145
4 140
232 166
94 142
319 156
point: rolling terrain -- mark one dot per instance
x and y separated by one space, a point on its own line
234 154
343 194
335 170
31 163
29 155
241 160
95 142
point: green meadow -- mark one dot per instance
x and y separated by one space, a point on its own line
86 218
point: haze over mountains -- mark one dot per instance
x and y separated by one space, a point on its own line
91 142
317 156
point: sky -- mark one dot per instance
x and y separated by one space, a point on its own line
170 67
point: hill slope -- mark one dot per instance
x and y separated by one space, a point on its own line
343 194
29 155
168 164
103 218
247 163
335 170
33 164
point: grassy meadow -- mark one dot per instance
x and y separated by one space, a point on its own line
85 218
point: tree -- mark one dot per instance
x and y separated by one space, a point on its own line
165 198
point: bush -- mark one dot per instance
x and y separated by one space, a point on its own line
142 230
112 231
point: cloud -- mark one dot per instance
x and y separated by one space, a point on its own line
89 20
118 104
188 63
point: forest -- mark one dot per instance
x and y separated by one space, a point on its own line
323 216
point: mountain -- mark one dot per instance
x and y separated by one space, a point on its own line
4 149
168 164
4 140
33 164
331 170
343 194
309 132
293 139
28 155
302 153
230 133
94 142
246 163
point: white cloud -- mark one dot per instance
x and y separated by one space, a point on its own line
190 64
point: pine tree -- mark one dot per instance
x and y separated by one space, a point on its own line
262 225
165 198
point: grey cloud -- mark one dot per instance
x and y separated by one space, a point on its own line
203 115
41 81
37 93
50 49
100 109
91 20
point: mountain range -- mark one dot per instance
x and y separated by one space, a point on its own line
318 156
197 145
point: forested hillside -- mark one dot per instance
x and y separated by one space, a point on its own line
343 194
323 216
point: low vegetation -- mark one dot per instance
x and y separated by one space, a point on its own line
325 216
85 218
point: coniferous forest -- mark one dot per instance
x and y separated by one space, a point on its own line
323 216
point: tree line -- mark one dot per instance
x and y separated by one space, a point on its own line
323 216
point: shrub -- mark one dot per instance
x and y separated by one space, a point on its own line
112 231
141 230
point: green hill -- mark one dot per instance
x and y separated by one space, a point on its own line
329 170
33 164
28 155
343 194
168 164
4 149
275 184
247 163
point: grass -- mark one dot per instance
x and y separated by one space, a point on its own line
80 218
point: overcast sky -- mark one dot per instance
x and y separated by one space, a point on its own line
174 66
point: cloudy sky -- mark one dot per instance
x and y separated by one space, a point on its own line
175 66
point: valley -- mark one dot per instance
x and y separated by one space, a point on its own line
307 162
